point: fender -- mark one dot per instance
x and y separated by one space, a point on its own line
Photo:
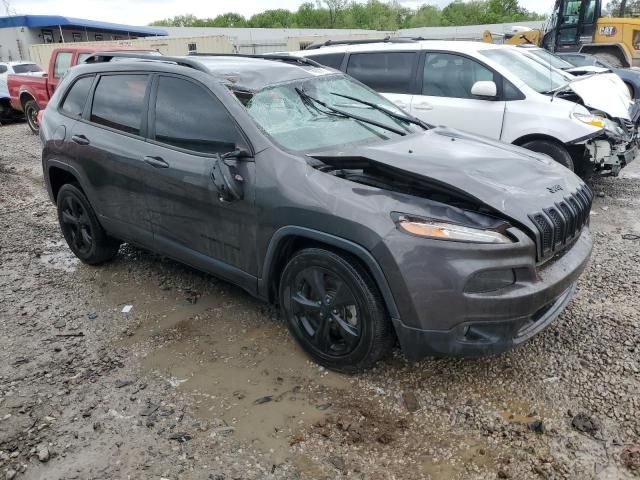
49 163
347 245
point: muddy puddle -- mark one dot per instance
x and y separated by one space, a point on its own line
246 375
56 255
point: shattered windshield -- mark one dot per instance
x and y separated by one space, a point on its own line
535 75
312 114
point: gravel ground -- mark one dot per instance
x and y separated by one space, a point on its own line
201 381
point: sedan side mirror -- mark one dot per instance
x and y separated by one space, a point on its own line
485 89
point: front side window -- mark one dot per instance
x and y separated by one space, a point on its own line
447 75
533 74
190 117
388 72
83 56
292 115
118 102
62 64
73 103
333 60
3 69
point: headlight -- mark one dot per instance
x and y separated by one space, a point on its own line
424 227
593 120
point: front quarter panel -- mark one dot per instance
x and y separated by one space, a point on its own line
541 115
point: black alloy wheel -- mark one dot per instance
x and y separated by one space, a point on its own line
76 225
82 231
334 310
326 311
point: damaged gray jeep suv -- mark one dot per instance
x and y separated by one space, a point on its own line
308 189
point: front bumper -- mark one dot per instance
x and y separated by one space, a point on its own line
607 154
457 323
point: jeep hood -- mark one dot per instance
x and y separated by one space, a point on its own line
507 179
605 92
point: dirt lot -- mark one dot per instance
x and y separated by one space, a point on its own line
201 381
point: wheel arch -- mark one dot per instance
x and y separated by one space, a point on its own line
25 96
287 240
536 136
59 173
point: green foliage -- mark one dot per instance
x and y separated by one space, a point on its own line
372 15
631 9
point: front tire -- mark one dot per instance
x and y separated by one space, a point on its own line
553 150
82 231
31 110
334 310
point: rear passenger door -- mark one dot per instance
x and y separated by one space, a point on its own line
108 146
188 127
445 95
388 72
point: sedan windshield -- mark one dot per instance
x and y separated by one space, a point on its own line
26 68
325 112
535 75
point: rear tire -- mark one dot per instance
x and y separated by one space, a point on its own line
82 231
335 311
610 59
555 151
31 110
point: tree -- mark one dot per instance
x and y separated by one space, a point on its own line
372 15
279 18
631 9
229 20
425 16
335 7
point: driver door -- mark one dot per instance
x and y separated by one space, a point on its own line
446 97
188 128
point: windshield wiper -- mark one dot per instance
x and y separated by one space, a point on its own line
306 97
392 114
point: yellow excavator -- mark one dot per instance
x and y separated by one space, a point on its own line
578 26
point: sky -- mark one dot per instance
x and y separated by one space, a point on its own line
142 12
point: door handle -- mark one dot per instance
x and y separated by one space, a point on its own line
401 105
80 139
423 106
156 162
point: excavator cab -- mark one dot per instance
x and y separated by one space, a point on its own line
572 24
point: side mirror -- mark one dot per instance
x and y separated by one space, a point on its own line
485 89
226 179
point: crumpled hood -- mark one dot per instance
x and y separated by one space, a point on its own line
509 179
605 92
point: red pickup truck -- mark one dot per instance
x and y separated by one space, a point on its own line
31 94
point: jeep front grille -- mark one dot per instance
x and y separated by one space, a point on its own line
560 224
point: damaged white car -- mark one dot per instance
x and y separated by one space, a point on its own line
584 123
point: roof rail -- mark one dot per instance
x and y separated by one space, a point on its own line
266 56
387 39
100 57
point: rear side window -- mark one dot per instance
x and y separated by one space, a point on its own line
333 60
118 102
188 116
389 72
73 103
26 68
3 69
447 75
62 64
